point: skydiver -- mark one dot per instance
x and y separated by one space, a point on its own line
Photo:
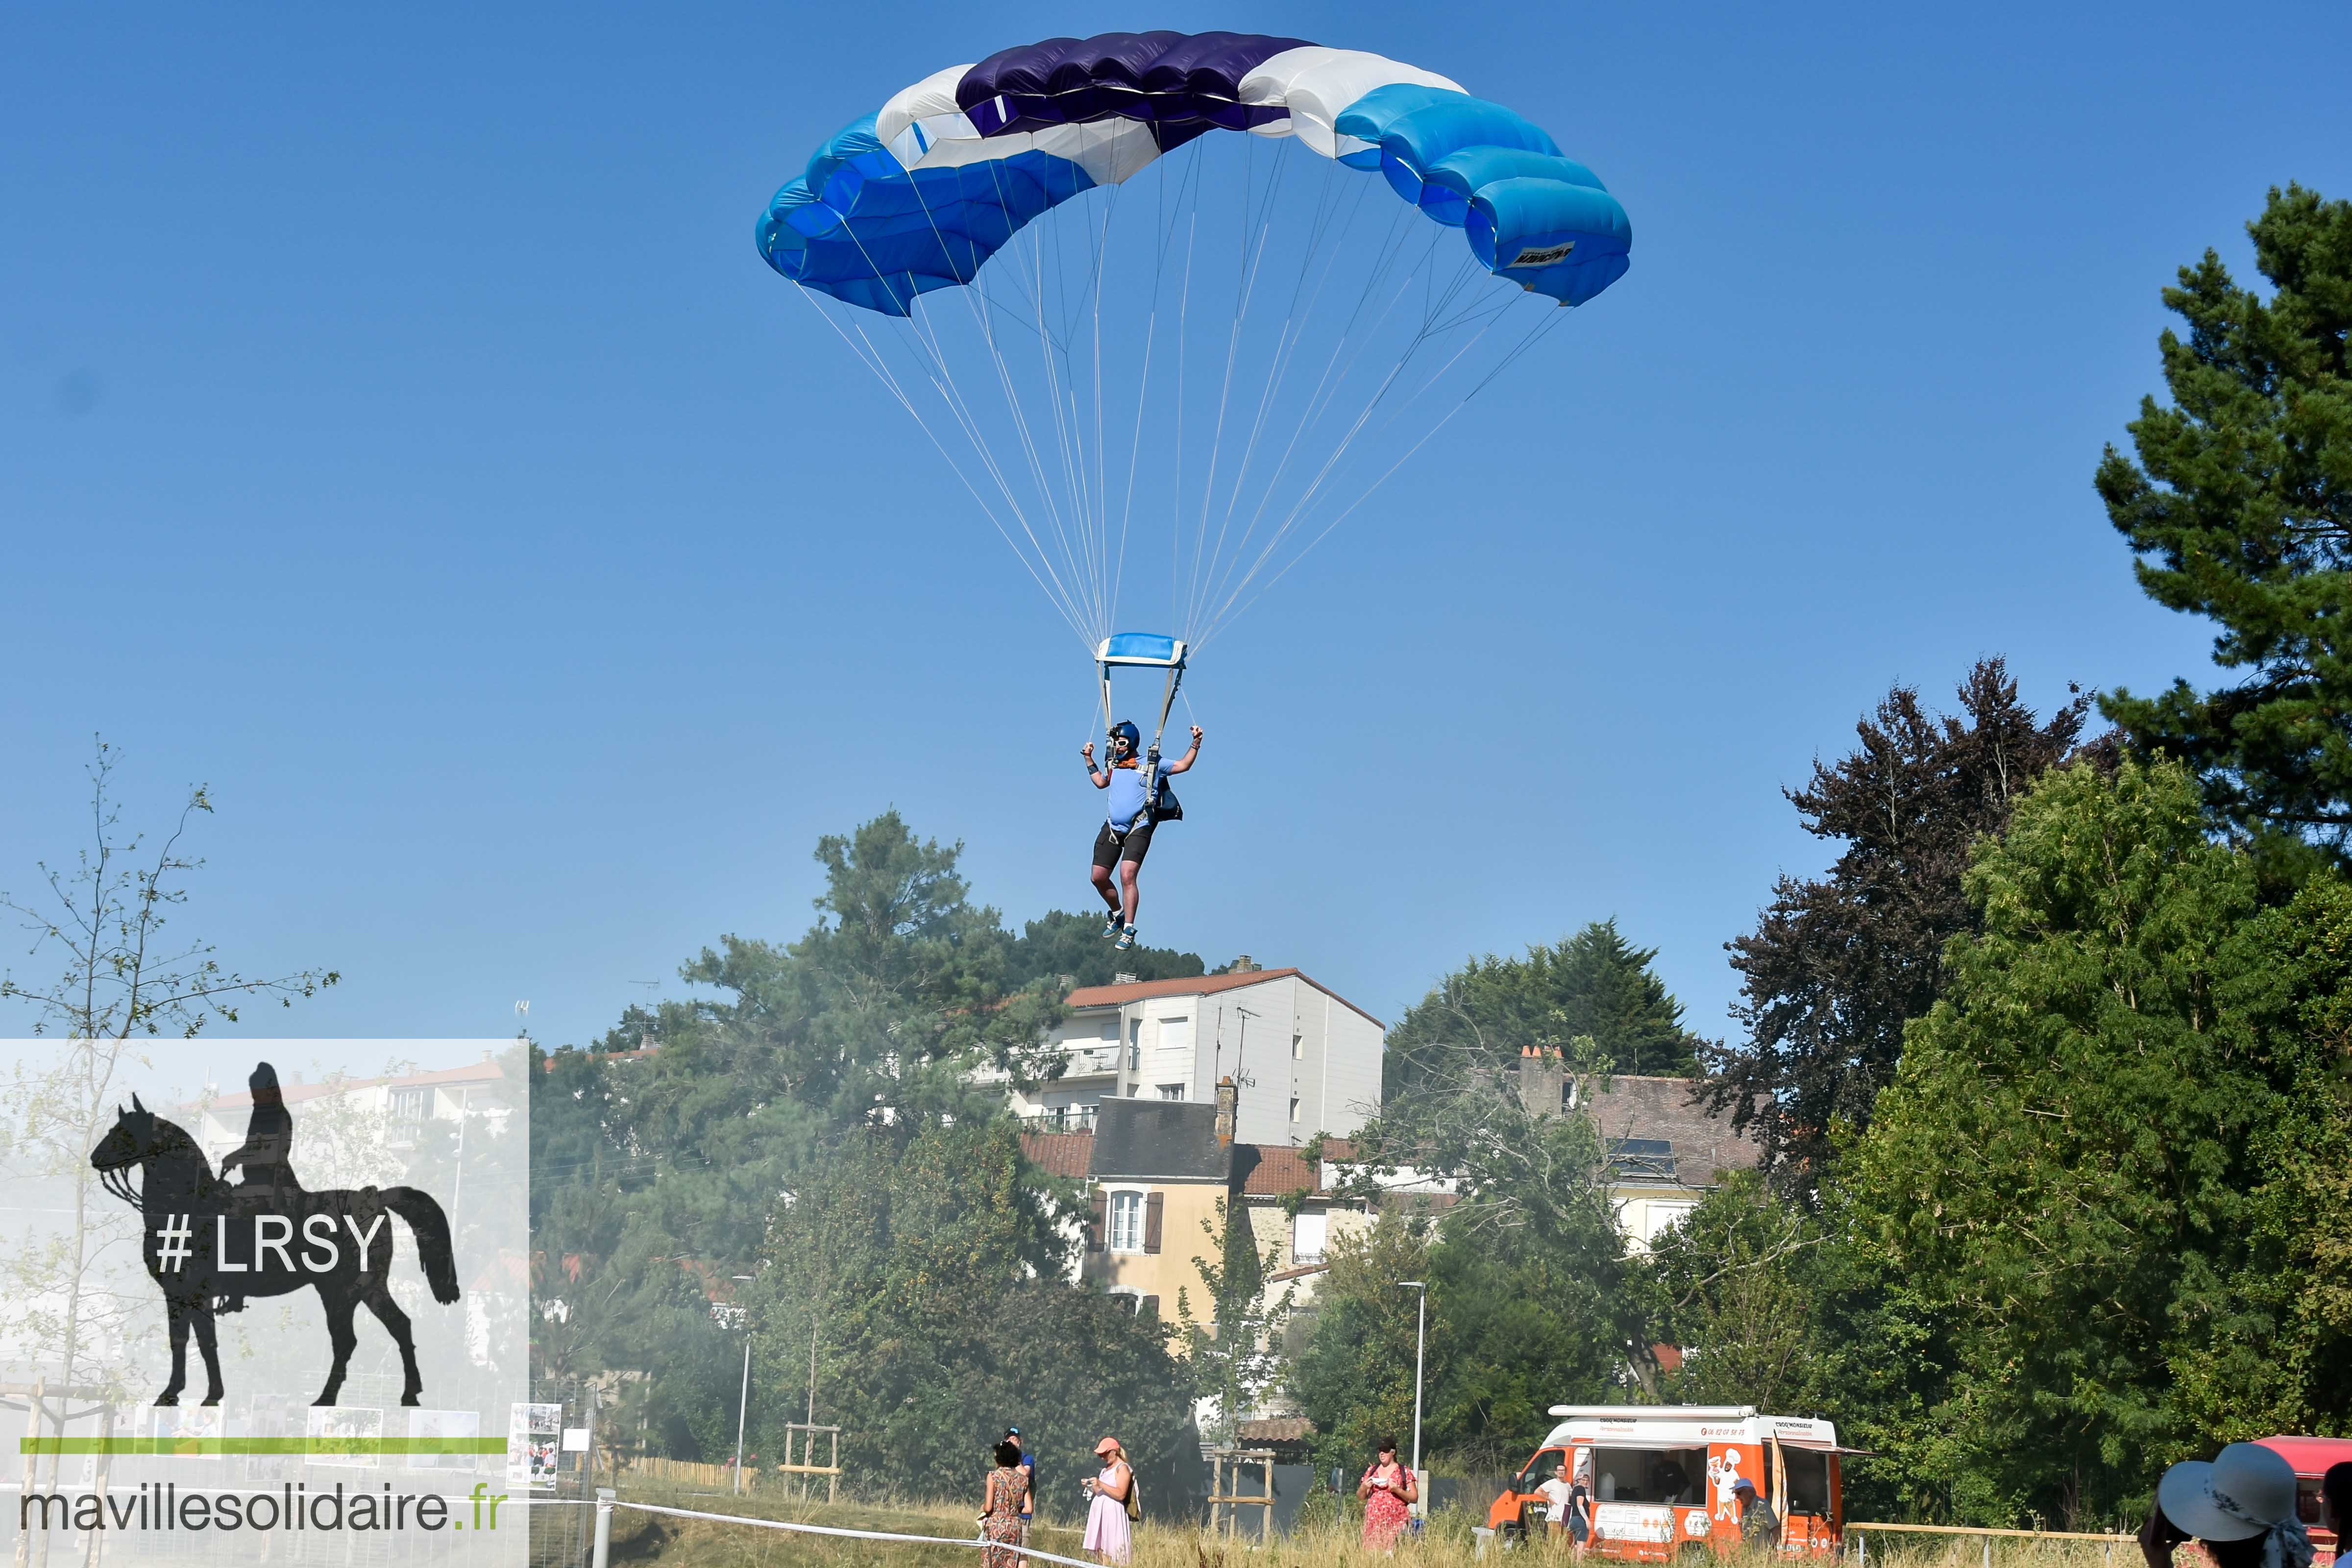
1126 835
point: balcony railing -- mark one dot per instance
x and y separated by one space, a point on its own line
1062 1118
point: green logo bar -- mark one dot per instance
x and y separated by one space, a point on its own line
182 1447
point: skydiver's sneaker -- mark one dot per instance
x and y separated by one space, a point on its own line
1125 939
1112 924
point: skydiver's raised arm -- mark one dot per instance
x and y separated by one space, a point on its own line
1189 758
1095 776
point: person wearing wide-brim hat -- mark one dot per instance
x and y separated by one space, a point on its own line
2240 1505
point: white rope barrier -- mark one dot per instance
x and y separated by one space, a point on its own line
602 1504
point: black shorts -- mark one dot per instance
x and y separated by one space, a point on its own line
1111 849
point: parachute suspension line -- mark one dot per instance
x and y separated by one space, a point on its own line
1183 339
943 379
1310 415
983 311
1292 332
925 333
1536 334
1347 352
1144 380
1332 460
871 358
1250 260
1053 351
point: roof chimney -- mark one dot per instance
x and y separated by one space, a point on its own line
1122 978
1543 1080
1246 964
1228 1111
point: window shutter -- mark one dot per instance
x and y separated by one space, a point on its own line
1149 1310
1094 1227
1151 1211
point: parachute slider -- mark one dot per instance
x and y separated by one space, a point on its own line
1145 650
1148 649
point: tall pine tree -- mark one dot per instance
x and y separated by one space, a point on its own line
2240 508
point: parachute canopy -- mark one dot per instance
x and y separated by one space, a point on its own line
919 194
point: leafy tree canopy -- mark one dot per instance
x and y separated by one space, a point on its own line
1063 946
1837 965
2106 1171
2239 506
1594 985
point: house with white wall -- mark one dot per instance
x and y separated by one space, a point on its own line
1303 1059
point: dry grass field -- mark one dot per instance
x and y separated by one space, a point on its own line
643 1540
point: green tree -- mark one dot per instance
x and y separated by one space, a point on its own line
2094 1173
2239 506
123 975
1060 946
1354 1376
1839 965
1532 1296
934 1275
1593 985
1236 1352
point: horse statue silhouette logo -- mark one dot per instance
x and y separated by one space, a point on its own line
209 1243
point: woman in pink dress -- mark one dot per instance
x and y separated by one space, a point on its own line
1109 1536
1389 1492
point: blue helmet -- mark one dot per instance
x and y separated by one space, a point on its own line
1125 729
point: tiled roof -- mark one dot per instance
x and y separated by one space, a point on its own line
1060 1154
1273 1169
1202 985
1275 1429
1660 1109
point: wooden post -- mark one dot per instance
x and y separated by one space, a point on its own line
833 1481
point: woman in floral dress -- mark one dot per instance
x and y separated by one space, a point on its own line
1389 1492
1006 1494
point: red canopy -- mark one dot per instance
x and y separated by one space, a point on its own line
2309 1456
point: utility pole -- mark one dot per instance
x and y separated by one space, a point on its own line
743 1401
1420 1355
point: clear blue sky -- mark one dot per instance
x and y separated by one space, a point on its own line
398 431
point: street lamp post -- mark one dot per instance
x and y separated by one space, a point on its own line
744 1400
1420 1352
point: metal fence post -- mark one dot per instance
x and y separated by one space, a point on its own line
1987 1552
604 1549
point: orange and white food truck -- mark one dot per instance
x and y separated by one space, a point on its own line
1663 1478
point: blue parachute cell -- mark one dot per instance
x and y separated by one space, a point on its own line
920 193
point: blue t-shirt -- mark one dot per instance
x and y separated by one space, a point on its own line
1126 796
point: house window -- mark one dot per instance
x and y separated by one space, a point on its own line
1171 1091
1308 1234
1110 1030
409 1104
1294 1110
1175 1033
1127 1222
1297 1048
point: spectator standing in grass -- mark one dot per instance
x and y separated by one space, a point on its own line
1111 1534
2240 1506
1389 1492
1004 1500
1028 1469
1558 1494
1759 1526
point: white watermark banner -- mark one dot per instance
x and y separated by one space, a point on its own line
265 1302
